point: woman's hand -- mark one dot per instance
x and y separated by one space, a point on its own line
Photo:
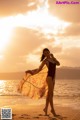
55 60
32 72
52 56
29 71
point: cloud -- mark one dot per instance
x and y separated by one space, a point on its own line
70 57
13 7
25 49
72 30
69 13
23 43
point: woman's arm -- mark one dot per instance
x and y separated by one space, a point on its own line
56 61
35 71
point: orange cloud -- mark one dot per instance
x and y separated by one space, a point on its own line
13 7
69 13
73 30
70 57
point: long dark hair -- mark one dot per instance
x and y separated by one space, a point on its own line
43 56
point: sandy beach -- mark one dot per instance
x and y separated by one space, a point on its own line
36 113
23 109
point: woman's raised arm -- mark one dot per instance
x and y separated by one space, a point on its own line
35 71
56 61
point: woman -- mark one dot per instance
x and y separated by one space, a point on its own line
50 61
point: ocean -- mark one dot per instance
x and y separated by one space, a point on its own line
66 93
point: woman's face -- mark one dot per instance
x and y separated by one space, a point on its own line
46 53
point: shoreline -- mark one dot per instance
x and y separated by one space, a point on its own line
64 102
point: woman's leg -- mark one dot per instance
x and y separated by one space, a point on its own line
49 98
50 91
47 104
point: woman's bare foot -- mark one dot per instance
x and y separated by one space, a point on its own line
53 112
45 110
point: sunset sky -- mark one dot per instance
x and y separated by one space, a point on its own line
28 26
